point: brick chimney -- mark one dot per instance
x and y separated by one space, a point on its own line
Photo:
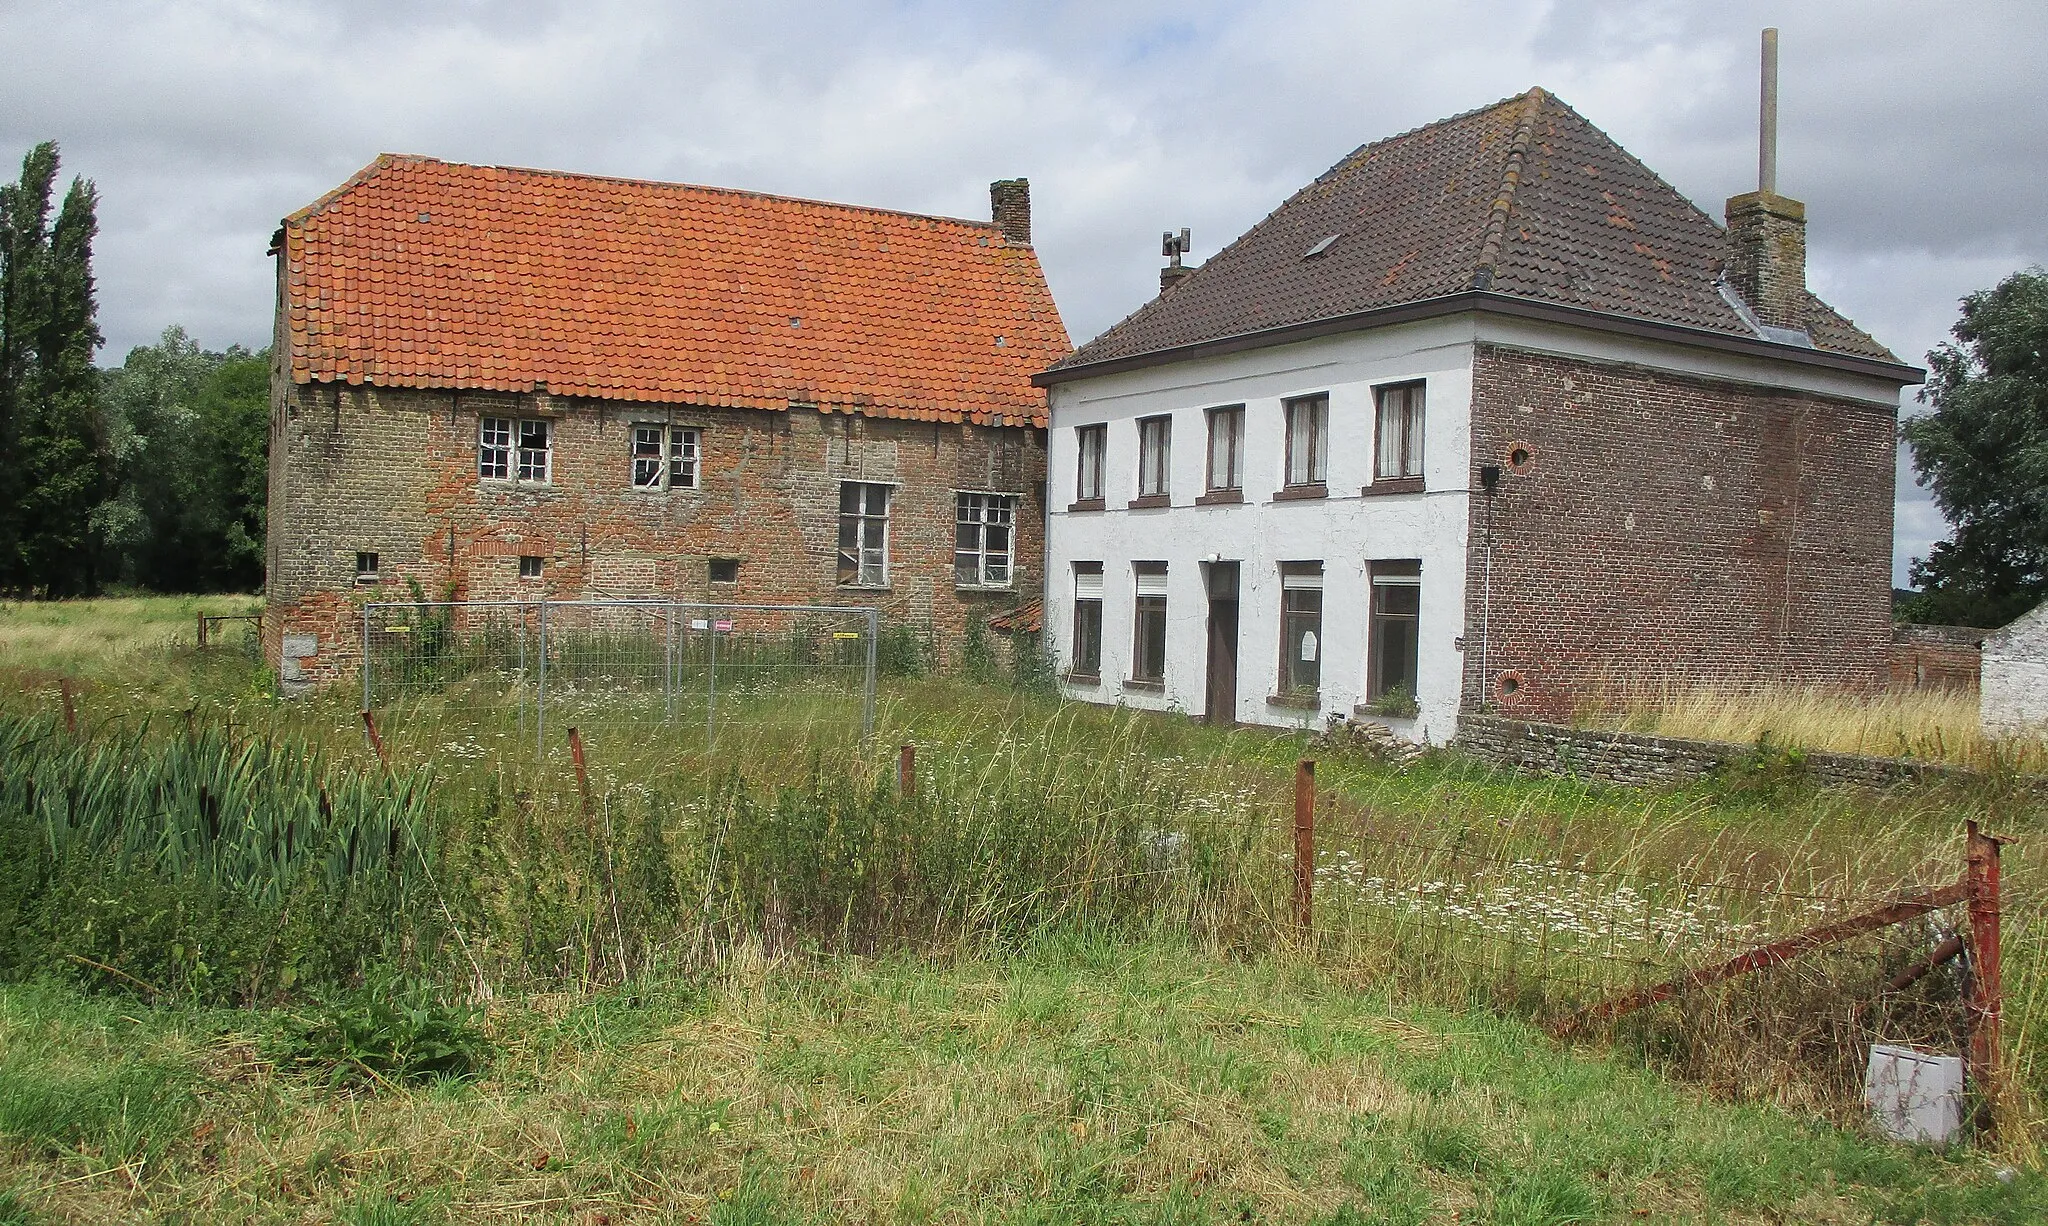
1766 231
1010 205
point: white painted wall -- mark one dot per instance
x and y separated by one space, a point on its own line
2012 694
1345 532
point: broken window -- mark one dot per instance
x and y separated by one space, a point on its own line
1308 441
533 450
366 567
665 457
983 538
1086 660
725 570
529 566
1391 649
1226 448
863 534
1148 631
1301 627
1155 448
1091 441
1397 439
494 449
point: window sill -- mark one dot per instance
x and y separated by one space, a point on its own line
1085 504
866 587
1087 679
1296 702
1220 498
1292 493
1366 710
1148 501
1145 687
1393 485
369 582
997 588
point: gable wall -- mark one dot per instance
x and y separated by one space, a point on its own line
1674 528
393 471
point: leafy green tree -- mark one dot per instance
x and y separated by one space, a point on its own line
189 433
1984 450
51 458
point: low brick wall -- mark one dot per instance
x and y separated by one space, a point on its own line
1655 761
1935 657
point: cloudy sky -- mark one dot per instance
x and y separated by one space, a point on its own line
1916 132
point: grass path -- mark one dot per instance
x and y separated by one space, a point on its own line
1077 1082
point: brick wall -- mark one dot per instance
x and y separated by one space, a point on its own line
394 472
1936 658
1636 760
1666 530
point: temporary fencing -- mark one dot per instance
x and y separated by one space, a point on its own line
558 663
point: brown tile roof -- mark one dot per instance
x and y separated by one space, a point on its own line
422 273
1523 198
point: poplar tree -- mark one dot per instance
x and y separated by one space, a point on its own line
52 466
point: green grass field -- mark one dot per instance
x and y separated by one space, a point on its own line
748 984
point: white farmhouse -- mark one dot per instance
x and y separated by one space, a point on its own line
1486 416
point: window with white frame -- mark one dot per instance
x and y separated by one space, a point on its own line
1155 456
1226 448
1393 637
508 447
1301 627
1090 443
1308 441
1148 626
1397 436
1086 660
665 457
984 536
863 534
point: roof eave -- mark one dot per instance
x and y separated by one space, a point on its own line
1495 303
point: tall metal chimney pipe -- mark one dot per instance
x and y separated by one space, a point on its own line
1767 120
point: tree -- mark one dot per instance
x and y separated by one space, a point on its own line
1984 450
189 435
51 455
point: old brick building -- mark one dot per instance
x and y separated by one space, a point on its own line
494 383
1487 416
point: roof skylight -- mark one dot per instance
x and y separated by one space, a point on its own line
1322 244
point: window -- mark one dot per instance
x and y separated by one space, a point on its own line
1092 442
529 566
1148 631
725 570
863 534
982 539
1155 455
1301 627
664 457
1397 440
366 568
1308 441
498 458
1086 660
1396 606
1226 448
494 449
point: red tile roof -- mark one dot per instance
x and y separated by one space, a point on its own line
422 273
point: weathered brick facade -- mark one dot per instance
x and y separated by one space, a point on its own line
1667 529
394 472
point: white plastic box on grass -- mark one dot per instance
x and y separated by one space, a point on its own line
1914 1095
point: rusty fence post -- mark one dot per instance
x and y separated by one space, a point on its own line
376 742
1987 994
906 770
1304 844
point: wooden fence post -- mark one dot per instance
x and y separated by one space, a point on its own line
1304 844
906 771
1987 993
202 631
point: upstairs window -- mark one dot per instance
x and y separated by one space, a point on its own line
1308 441
494 449
1091 442
533 450
1155 456
983 538
1226 448
665 457
863 534
1397 438
509 447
